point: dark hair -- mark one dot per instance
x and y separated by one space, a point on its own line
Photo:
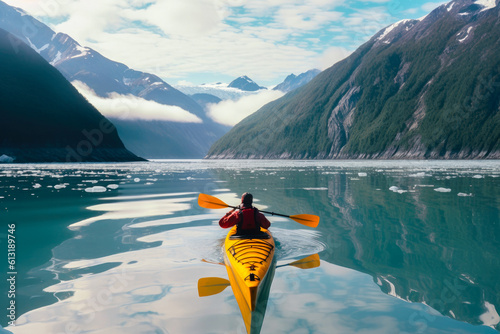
247 198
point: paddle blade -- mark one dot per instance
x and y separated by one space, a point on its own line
312 261
209 286
211 202
305 219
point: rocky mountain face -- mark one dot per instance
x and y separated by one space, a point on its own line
419 89
44 118
106 77
293 81
245 83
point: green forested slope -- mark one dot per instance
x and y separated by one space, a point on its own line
426 89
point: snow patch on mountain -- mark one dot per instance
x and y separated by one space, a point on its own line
391 28
487 4
461 40
83 51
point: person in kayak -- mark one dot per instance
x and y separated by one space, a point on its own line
247 218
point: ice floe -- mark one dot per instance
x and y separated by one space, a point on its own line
95 189
442 190
6 159
397 190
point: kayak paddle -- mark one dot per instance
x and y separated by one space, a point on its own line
211 202
209 286
312 261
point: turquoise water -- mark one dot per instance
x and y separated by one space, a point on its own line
405 247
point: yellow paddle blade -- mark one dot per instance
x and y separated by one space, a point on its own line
212 262
209 286
312 261
305 219
210 202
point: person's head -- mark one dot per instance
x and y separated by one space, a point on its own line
247 199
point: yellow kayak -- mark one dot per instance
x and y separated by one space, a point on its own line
250 266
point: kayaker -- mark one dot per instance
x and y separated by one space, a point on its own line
247 218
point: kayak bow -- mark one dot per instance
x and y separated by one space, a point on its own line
250 266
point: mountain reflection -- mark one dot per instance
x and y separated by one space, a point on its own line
410 231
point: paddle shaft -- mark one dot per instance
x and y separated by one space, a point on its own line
269 212
211 202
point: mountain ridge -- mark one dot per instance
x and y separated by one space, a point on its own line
44 118
293 81
105 77
417 89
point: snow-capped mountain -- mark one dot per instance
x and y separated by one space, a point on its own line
246 84
105 77
36 125
418 89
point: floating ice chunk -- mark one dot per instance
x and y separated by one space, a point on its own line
37 185
137 179
464 194
490 317
113 186
319 188
477 176
442 190
397 190
361 174
95 189
6 159
419 174
129 176
59 186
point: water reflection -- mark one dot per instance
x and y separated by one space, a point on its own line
253 319
416 233
400 247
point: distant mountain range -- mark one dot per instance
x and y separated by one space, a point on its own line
295 81
418 89
219 90
246 84
152 139
238 88
44 118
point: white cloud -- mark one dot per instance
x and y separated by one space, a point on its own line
430 6
305 17
183 18
178 40
230 112
134 108
331 56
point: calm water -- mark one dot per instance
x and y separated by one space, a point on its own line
405 247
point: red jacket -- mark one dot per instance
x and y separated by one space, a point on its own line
232 218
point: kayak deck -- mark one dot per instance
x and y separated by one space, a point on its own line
247 262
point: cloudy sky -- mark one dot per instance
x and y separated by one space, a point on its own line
200 41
